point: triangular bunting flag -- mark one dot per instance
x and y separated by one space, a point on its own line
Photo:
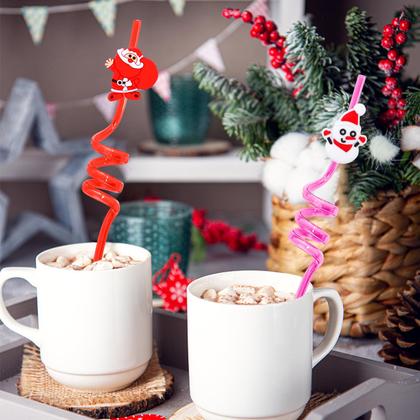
178 6
36 19
259 7
210 53
105 12
105 107
163 85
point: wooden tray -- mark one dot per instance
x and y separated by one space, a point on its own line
365 386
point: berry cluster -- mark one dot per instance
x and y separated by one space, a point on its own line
266 32
393 38
217 231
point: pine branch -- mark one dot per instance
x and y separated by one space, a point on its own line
363 54
305 49
412 13
221 87
328 109
365 185
269 87
413 106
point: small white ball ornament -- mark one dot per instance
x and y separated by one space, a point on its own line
382 149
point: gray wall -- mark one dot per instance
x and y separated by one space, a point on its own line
68 65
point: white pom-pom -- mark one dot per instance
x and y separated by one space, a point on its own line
410 138
328 190
360 109
275 175
288 147
296 181
382 149
320 160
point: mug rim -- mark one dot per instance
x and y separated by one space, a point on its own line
48 267
195 297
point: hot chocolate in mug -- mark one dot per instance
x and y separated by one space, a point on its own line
255 361
95 327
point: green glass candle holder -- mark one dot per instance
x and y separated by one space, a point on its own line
185 118
162 227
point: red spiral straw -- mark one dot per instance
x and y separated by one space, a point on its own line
307 231
101 184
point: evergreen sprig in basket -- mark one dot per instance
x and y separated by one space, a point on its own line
162 227
375 240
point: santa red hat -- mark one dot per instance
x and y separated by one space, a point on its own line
353 115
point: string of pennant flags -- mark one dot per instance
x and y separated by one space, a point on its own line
208 52
105 12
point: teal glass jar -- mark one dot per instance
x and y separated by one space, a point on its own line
162 227
185 118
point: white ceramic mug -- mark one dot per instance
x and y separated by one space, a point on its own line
255 361
95 327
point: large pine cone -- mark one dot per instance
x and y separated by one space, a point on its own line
402 331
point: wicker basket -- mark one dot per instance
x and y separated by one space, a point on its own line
370 256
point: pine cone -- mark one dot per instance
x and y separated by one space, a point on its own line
402 331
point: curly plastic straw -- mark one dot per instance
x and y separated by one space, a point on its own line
319 207
101 181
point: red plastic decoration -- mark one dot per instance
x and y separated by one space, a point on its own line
133 78
170 283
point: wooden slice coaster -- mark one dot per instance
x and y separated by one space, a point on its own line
189 412
153 388
215 147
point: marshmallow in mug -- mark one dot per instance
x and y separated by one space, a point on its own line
110 261
247 295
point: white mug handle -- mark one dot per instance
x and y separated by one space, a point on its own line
335 322
29 274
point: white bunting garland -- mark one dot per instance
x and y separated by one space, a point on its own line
210 53
105 12
177 6
36 19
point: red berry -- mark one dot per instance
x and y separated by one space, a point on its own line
386 91
280 42
392 55
400 38
401 103
391 82
392 103
258 27
273 51
253 33
396 93
388 30
227 12
404 25
274 36
280 55
259 19
264 36
396 22
385 65
390 114
270 26
289 77
290 64
246 16
400 113
387 42
401 60
395 122
285 67
236 13
276 64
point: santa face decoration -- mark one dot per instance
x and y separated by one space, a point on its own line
131 72
345 138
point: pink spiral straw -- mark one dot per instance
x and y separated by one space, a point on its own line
319 207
